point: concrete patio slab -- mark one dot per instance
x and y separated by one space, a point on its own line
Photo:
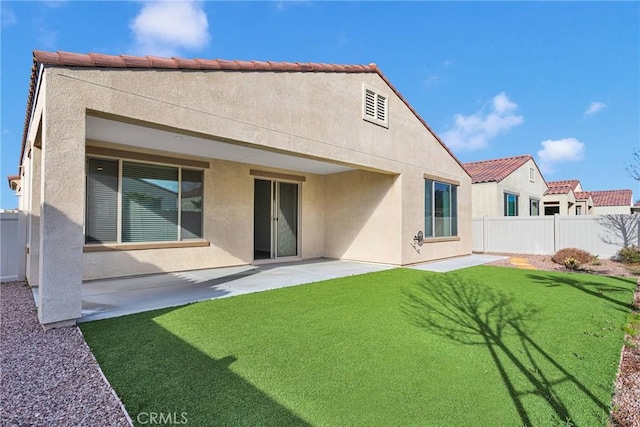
103 299
457 263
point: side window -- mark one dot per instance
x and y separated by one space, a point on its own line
440 209
510 204
534 207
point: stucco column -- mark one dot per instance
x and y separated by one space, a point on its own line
33 264
62 207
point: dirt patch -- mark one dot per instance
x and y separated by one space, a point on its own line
606 267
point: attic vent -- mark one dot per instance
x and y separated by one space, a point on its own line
374 106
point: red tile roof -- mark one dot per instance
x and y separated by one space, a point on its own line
573 183
495 170
612 198
563 187
559 189
582 195
94 60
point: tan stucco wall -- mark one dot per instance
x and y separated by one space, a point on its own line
488 197
363 218
486 200
62 203
316 115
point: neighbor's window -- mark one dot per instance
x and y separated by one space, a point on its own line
141 202
510 204
375 106
532 175
578 210
534 207
440 209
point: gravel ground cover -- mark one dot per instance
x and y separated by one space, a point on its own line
626 398
48 378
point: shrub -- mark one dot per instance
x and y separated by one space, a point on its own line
571 263
629 255
583 257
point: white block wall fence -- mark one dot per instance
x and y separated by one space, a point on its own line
13 237
602 235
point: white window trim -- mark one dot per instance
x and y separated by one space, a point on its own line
532 174
377 94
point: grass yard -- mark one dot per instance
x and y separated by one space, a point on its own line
481 346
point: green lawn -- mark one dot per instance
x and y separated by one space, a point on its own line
482 346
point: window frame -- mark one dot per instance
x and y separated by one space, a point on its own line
531 201
120 161
532 174
506 203
453 208
377 94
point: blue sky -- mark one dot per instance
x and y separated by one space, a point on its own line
560 81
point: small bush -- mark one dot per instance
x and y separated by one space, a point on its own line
595 260
583 257
572 263
629 255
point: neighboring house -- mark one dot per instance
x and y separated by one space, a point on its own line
511 186
567 198
612 202
133 165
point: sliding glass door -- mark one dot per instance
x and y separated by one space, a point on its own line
276 219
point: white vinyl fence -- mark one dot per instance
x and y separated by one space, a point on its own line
601 235
12 249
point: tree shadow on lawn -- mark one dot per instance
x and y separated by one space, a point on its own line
470 313
600 290
155 371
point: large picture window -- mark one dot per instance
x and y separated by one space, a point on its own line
139 202
440 209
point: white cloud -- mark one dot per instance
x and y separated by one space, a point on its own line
594 107
165 28
474 132
558 151
8 17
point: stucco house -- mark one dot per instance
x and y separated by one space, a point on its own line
511 186
567 198
135 165
612 202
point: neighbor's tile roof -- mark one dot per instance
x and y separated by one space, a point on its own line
612 198
583 195
573 183
95 60
495 170
562 187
